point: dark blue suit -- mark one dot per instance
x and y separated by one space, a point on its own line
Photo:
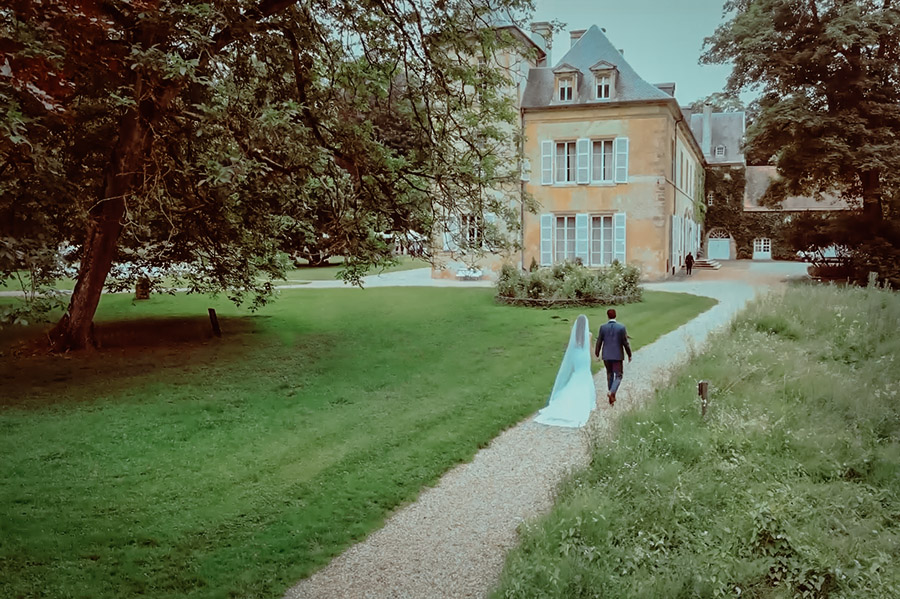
612 346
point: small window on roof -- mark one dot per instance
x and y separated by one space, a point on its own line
604 82
565 89
720 151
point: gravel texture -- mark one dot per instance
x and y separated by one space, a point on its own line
452 541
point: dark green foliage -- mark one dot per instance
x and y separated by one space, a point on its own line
220 135
829 111
726 186
569 283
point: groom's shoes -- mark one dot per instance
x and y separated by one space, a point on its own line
612 398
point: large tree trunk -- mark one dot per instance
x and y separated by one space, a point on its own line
75 329
871 195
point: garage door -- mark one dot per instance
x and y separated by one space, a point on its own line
718 249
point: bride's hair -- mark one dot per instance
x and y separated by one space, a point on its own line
580 328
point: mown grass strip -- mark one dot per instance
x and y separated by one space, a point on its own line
790 488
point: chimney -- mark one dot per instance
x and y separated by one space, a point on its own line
706 137
542 35
575 35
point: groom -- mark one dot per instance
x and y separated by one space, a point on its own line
612 340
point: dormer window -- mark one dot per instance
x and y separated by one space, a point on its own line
565 89
720 151
604 80
567 78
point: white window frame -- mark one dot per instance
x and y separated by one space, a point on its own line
570 161
603 86
566 89
472 230
720 151
604 219
569 223
604 168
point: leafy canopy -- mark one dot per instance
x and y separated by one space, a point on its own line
266 127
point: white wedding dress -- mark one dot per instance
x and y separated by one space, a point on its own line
574 395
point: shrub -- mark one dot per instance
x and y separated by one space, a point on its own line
570 283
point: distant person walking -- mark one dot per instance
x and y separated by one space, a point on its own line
612 345
689 263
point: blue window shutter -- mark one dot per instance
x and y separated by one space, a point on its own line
581 237
451 233
546 239
583 152
547 162
621 152
619 239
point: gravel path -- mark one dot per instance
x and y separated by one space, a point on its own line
452 541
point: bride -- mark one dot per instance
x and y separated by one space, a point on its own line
574 394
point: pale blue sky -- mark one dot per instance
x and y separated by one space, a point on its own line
662 39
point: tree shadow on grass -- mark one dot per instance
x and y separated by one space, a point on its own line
131 352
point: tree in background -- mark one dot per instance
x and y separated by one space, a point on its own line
164 132
829 111
720 102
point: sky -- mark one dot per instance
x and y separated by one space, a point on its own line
662 39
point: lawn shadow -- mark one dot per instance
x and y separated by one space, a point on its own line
130 352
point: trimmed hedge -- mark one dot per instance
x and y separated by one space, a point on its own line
570 284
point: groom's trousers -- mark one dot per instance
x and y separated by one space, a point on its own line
613 374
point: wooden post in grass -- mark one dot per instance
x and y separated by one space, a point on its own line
703 391
142 289
215 322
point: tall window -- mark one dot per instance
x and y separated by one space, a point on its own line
565 162
601 240
603 87
565 238
565 89
470 225
602 161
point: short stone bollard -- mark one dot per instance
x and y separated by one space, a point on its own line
703 392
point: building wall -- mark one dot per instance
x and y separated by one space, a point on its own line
648 197
451 264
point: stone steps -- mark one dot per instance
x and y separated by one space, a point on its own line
707 264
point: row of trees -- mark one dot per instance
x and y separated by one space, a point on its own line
221 134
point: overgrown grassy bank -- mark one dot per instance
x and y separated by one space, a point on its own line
790 488
196 467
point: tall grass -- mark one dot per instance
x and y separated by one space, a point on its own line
790 487
193 467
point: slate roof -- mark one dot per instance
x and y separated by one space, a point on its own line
727 128
758 180
587 51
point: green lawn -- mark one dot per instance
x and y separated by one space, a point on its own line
328 273
789 489
189 466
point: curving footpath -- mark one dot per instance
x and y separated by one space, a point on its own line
452 541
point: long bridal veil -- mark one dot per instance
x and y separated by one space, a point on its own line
574 395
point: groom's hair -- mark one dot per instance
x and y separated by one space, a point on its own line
611 313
